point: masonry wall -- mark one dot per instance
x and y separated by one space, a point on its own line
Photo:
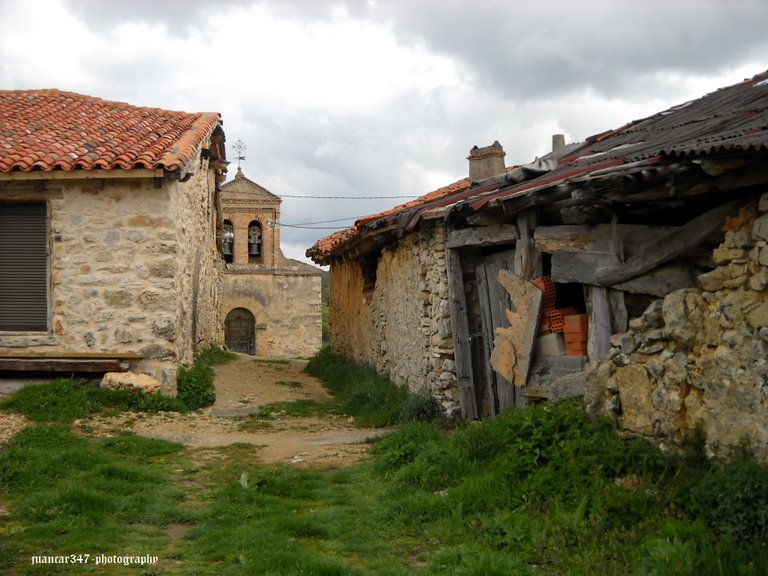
699 356
401 324
286 304
133 268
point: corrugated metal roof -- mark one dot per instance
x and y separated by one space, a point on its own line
731 120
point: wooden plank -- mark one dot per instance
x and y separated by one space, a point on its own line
582 268
62 365
596 238
669 247
513 346
72 355
486 321
462 353
482 236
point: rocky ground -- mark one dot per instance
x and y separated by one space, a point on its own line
242 388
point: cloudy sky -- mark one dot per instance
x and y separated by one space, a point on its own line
377 98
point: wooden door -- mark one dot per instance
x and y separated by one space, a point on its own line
494 301
239 331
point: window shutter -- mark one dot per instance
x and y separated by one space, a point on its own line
23 267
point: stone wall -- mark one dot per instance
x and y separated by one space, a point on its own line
286 303
133 268
699 356
400 324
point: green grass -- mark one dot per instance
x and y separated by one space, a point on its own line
271 361
68 400
370 397
540 491
71 495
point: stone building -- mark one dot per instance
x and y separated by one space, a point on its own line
632 261
271 305
108 224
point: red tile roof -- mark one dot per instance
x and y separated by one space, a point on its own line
326 246
47 130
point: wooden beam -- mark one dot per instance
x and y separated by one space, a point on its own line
63 365
82 174
527 259
25 194
600 324
669 247
462 352
482 236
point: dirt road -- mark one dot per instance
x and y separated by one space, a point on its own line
243 386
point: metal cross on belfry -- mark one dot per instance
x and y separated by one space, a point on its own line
239 147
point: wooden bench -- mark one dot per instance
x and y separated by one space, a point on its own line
67 361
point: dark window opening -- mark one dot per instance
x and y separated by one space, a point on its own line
369 264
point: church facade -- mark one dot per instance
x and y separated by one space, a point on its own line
271 305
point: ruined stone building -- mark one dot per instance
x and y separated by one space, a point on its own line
108 227
630 268
271 305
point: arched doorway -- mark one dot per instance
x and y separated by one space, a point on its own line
239 331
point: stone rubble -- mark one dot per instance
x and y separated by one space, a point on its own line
699 357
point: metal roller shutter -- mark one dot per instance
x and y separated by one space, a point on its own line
23 267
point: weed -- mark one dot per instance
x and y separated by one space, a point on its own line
290 383
272 361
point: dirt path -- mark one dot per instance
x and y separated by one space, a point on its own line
243 386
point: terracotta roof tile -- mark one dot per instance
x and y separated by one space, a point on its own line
53 130
328 245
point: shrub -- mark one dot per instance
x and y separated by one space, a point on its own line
420 408
195 386
734 500
194 383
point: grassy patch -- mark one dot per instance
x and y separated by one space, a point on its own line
271 361
67 400
370 397
71 496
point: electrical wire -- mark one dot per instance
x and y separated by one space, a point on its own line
345 197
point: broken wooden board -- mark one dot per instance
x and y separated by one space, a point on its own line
462 353
513 345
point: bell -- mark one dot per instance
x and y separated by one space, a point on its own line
253 249
226 248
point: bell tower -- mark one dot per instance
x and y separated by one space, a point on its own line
251 224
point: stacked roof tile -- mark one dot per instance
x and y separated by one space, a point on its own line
46 130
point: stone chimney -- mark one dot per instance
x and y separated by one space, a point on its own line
486 162
558 142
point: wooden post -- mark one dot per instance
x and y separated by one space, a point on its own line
599 341
462 353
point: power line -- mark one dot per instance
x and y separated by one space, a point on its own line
327 221
344 197
310 227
